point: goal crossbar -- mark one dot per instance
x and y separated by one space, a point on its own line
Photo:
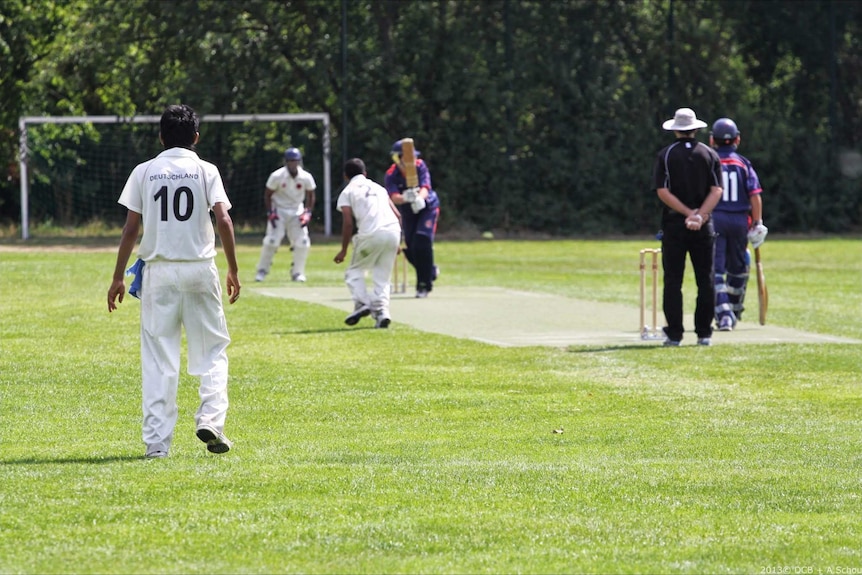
322 117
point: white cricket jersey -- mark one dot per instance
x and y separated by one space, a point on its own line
289 192
174 193
370 204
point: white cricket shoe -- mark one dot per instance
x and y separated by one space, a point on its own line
260 276
216 442
298 277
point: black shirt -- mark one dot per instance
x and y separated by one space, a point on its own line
688 169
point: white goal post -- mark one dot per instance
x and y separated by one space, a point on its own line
24 121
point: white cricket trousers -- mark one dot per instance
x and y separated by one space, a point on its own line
297 235
176 295
375 252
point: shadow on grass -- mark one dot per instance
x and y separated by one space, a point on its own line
628 347
346 329
72 460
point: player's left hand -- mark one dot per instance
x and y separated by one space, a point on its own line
305 217
339 257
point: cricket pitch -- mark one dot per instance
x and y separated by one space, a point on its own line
511 318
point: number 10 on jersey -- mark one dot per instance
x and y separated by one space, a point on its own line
179 213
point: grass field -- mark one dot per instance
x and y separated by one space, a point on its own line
398 451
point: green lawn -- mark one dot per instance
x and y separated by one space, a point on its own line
398 451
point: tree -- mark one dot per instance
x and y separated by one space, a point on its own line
26 30
533 115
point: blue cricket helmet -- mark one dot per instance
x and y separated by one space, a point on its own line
293 154
396 149
724 129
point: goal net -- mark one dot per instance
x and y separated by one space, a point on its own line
73 168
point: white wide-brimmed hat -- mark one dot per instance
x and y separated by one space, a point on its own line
683 120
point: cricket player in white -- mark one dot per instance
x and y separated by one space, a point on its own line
289 200
173 194
375 245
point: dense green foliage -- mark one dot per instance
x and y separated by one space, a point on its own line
533 115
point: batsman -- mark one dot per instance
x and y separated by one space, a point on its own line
741 196
408 183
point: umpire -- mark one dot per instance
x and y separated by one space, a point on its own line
687 179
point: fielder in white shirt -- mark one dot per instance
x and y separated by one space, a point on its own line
375 245
289 200
173 194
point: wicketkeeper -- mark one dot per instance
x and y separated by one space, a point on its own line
289 201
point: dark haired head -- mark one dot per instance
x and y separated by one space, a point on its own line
179 127
354 167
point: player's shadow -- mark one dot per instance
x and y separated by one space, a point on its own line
626 347
70 460
344 329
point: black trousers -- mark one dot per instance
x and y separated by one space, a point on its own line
677 243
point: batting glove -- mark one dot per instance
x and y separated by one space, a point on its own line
410 195
272 215
757 235
417 205
305 218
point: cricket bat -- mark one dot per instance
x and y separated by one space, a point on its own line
762 292
408 158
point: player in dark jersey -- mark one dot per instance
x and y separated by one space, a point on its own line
687 179
740 196
419 209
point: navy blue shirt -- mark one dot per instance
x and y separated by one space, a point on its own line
740 181
394 182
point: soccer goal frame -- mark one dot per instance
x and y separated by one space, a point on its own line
322 117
